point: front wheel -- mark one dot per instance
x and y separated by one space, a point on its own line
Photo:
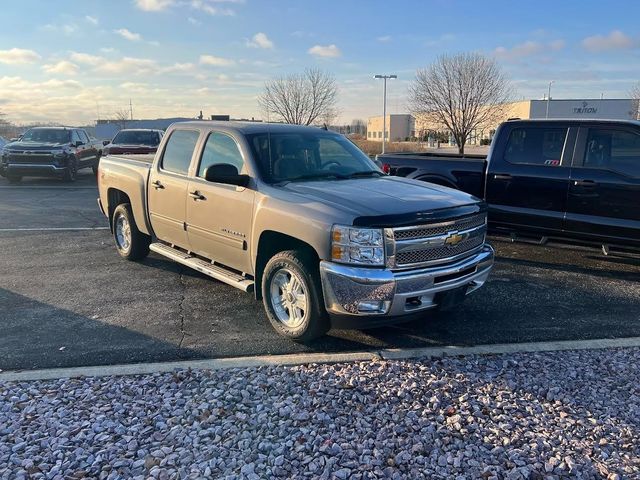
131 243
71 173
292 296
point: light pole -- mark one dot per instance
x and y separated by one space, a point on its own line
549 97
384 107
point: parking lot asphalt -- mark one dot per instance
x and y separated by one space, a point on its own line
68 299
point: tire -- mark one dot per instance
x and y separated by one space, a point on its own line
95 167
14 178
281 295
130 242
71 173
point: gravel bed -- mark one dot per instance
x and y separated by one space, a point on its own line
546 415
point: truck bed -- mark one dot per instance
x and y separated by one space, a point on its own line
460 171
142 158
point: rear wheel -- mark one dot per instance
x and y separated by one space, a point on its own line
71 173
131 243
14 178
292 296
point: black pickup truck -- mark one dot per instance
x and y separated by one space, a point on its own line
577 179
49 151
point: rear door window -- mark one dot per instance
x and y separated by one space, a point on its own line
615 150
536 146
179 150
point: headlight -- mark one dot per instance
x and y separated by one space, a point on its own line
357 246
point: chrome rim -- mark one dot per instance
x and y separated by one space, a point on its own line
289 298
123 233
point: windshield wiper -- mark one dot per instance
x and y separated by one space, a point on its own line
365 173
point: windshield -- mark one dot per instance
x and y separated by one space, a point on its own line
46 135
137 137
306 156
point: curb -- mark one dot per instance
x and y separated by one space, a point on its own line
310 358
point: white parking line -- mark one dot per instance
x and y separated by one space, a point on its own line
52 229
308 358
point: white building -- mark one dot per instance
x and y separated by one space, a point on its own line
399 127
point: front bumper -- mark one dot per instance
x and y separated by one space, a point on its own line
33 169
355 291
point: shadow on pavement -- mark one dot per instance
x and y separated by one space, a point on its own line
80 340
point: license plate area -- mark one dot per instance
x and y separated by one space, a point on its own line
450 298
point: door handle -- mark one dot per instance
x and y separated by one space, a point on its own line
502 176
157 185
585 183
197 195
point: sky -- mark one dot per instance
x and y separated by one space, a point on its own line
70 61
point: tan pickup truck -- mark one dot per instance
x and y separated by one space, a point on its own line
303 218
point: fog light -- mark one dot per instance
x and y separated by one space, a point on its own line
373 306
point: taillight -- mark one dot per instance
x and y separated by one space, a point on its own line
386 168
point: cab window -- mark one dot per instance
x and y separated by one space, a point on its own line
536 146
75 138
615 150
220 148
179 150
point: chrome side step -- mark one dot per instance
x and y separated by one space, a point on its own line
219 273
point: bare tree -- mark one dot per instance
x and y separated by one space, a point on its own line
635 96
301 99
122 116
358 126
460 93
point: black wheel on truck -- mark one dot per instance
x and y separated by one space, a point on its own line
131 243
292 296
14 178
71 173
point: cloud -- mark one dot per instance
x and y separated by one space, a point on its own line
154 5
16 56
64 67
616 40
527 49
129 66
66 29
179 68
216 61
86 58
207 6
91 20
325 51
129 35
260 40
384 39
55 83
193 21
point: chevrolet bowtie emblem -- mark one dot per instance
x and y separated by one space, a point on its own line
453 239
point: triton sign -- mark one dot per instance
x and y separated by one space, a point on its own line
584 109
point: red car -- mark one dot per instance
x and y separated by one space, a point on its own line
131 141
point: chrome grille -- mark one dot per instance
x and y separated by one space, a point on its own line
424 245
423 231
438 253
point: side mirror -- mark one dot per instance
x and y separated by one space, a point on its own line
226 173
105 143
78 143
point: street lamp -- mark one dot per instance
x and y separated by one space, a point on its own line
549 96
384 107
